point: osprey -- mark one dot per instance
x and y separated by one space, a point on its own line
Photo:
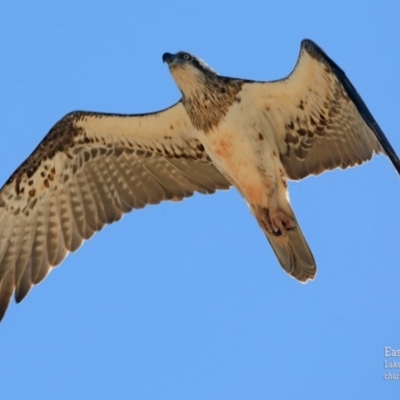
91 168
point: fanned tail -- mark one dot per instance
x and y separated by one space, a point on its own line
293 253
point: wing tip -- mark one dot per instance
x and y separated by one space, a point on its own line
311 47
316 52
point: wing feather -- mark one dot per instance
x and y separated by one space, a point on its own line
136 197
88 171
159 172
89 204
39 249
77 207
66 218
53 232
100 215
7 228
111 211
24 283
24 262
11 253
125 194
7 285
199 177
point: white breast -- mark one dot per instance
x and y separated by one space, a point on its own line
242 148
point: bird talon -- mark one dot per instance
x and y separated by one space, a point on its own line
275 222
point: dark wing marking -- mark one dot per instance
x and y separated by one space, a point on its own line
320 120
88 171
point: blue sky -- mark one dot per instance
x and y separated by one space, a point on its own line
186 300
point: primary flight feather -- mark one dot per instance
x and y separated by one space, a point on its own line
91 168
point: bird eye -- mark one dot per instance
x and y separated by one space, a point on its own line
186 57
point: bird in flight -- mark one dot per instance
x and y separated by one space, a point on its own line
91 167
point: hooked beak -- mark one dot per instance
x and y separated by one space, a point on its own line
168 57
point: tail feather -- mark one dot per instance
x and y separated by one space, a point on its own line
293 253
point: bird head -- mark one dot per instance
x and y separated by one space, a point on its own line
188 71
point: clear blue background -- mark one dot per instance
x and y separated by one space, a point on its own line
187 301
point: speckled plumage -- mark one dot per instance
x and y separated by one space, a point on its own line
264 133
93 167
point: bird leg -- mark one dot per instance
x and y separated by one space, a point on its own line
274 220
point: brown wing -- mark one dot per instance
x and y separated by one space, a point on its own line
320 120
89 170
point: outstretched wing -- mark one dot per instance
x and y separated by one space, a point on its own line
89 170
319 119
